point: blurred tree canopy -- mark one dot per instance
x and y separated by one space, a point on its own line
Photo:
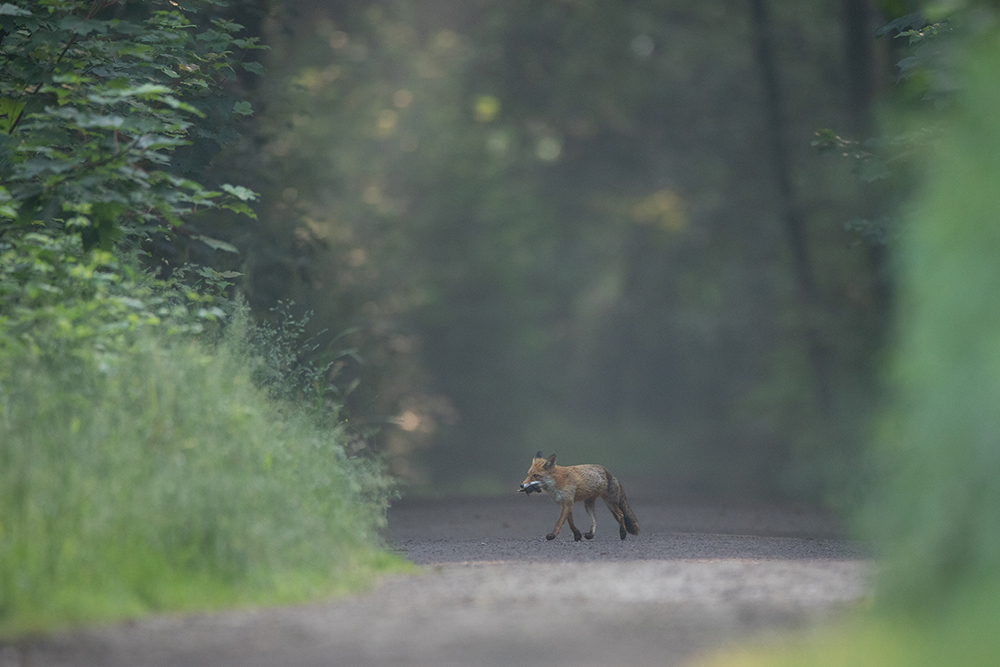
563 226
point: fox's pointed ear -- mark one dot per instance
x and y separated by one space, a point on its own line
550 462
539 455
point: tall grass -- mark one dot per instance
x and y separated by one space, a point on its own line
165 479
965 633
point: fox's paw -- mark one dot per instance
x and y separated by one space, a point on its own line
577 536
589 535
550 536
621 531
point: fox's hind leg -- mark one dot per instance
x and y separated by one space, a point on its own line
619 517
588 504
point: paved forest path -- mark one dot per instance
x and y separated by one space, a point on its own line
495 593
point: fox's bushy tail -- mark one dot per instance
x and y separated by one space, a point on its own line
631 523
617 493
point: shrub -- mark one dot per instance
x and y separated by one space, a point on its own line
939 511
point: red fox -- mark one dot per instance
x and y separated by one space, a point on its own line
572 484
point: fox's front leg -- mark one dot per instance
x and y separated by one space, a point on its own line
577 535
565 513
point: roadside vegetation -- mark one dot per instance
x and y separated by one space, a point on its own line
933 508
158 449
165 478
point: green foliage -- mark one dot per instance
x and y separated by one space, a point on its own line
939 512
166 479
925 68
296 366
96 99
55 298
889 165
142 465
106 104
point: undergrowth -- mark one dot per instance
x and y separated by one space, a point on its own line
163 477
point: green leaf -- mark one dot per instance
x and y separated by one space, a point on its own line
71 77
243 108
13 10
240 207
175 103
240 192
9 111
108 211
907 64
7 209
873 170
915 20
254 67
81 26
216 244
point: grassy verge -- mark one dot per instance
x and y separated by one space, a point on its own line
964 631
164 479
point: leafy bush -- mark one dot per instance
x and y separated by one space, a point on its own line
99 100
96 97
55 297
939 514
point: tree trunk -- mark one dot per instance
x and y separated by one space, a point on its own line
793 223
859 63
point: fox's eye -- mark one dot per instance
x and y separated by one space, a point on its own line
536 476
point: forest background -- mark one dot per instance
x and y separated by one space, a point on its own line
605 231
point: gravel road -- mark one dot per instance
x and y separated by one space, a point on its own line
494 592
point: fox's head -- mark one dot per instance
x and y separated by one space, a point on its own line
539 474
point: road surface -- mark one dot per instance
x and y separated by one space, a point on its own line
493 592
